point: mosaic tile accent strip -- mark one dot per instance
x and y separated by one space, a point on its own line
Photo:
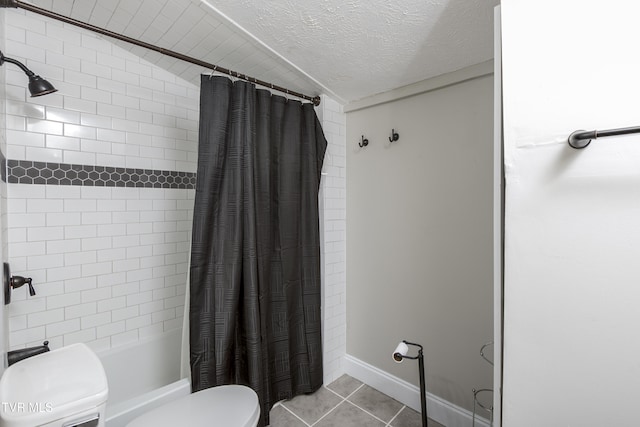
28 172
3 167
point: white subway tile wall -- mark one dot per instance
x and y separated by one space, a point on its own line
4 249
111 108
94 272
333 216
108 264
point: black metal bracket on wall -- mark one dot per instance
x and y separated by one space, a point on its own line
394 136
582 138
6 283
14 282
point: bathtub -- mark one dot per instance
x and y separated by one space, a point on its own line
143 376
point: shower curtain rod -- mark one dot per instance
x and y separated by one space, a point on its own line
582 138
31 8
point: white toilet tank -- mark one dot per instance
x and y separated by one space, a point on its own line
66 387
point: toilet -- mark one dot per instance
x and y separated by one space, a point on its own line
224 406
66 387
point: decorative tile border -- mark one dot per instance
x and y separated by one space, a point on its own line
3 167
28 172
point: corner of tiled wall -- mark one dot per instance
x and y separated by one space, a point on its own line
4 317
99 206
333 201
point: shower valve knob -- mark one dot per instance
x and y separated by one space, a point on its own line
18 281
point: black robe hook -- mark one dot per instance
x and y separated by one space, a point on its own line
364 142
394 136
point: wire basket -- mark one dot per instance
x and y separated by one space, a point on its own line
477 403
482 392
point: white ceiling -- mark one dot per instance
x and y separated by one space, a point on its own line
350 49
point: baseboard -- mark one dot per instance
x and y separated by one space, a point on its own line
440 410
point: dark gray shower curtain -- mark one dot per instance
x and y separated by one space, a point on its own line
255 257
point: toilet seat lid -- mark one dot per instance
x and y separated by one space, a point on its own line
227 405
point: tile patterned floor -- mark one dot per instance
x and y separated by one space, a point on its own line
346 402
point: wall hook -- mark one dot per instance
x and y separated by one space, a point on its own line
364 142
394 136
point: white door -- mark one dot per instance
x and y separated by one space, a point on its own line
572 218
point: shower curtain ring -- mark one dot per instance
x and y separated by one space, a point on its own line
215 67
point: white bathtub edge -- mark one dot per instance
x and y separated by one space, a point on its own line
119 415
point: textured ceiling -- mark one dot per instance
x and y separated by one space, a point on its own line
349 49
357 48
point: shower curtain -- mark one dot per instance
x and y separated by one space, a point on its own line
255 258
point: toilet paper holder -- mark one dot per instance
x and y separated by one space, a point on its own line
399 354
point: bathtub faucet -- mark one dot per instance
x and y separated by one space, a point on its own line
18 355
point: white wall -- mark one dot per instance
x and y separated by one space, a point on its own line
419 233
572 216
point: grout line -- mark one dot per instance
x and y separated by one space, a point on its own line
341 397
349 395
346 399
293 413
340 403
328 412
354 391
367 412
396 415
343 400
